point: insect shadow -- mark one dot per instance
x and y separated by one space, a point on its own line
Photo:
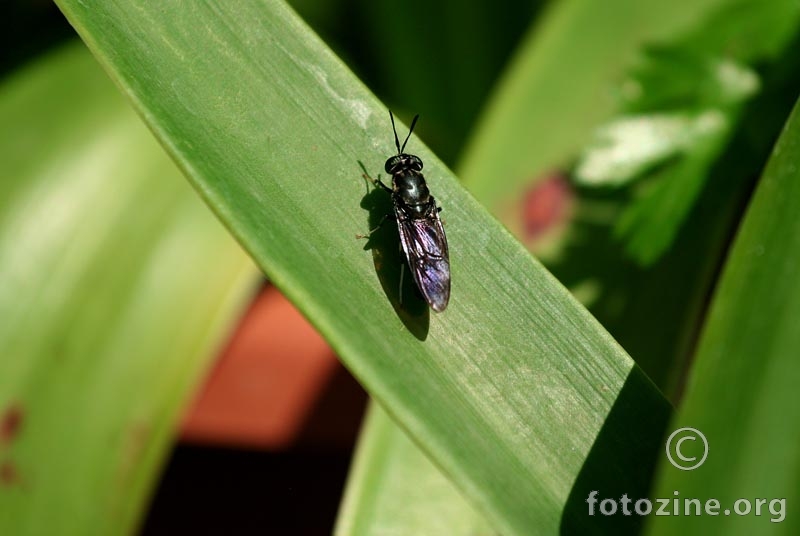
389 260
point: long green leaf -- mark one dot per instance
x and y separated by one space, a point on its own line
509 389
655 324
494 167
552 104
394 489
456 53
115 289
687 107
562 85
655 312
742 393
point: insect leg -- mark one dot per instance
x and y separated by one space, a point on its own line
383 220
377 182
438 211
400 288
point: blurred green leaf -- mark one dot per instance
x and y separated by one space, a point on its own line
269 126
561 86
682 105
743 387
440 60
394 489
679 101
653 310
117 287
630 145
533 84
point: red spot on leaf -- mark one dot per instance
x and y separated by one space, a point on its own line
546 205
10 423
8 474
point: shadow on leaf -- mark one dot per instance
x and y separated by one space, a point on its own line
389 261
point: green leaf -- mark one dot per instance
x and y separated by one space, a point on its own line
529 85
742 392
452 61
561 86
654 311
544 112
116 287
685 100
394 489
270 126
631 145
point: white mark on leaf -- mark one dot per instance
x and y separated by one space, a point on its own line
358 108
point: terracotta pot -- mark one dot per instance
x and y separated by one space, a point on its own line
275 385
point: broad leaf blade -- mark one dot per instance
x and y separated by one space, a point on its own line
653 311
561 86
706 76
394 489
742 393
269 126
494 167
659 321
117 287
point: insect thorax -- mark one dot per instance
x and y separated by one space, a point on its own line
412 189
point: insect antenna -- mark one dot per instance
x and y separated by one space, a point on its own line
396 141
410 130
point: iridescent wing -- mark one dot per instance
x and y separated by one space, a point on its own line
425 246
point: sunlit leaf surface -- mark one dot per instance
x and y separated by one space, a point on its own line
116 288
742 392
514 391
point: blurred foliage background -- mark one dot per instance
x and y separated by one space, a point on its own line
621 144
549 94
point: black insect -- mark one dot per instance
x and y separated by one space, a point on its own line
421 233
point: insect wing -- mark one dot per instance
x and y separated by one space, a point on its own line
425 245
